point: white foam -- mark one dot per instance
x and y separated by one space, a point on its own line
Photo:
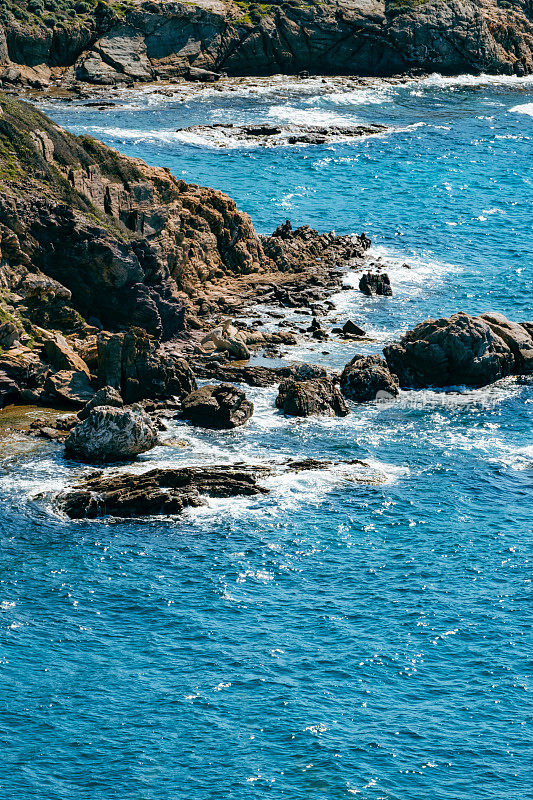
526 108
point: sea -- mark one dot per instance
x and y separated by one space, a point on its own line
361 630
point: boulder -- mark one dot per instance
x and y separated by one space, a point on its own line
67 386
203 75
111 434
351 329
368 378
9 335
222 406
316 396
159 491
107 396
459 350
517 338
375 283
61 356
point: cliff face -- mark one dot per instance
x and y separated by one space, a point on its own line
368 37
86 232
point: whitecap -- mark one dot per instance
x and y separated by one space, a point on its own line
525 108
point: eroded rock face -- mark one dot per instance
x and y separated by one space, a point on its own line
375 283
303 398
159 491
132 363
68 387
222 406
517 338
367 378
111 434
459 350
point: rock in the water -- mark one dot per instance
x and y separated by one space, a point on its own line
368 378
351 329
459 350
517 338
203 75
111 434
72 388
372 283
222 406
316 396
107 396
159 491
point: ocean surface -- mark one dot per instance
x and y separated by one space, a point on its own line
358 631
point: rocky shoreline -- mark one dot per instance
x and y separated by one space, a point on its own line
110 44
122 287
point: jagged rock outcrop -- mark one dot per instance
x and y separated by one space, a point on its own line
110 434
222 406
107 396
303 398
365 37
460 350
159 491
367 378
375 283
86 233
132 363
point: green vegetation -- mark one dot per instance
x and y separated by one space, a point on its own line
49 12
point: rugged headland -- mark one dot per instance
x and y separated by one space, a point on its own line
75 41
121 286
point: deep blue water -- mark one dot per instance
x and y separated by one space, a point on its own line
334 638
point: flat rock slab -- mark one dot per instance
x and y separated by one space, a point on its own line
159 491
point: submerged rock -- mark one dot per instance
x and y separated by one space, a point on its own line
375 283
111 434
306 397
221 406
159 491
368 378
459 350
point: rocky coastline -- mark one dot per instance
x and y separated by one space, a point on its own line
122 287
107 44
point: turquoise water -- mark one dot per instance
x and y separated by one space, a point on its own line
334 638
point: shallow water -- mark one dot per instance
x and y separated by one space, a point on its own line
335 637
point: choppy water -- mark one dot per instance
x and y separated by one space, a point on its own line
333 638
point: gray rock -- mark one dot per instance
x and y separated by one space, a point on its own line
203 75
304 398
111 434
459 350
222 406
9 334
517 338
107 396
367 378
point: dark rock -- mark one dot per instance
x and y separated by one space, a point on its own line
368 378
107 396
221 406
459 350
517 338
69 387
132 363
159 491
374 283
352 329
9 390
111 434
306 397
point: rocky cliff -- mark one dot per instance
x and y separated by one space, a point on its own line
88 233
149 39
